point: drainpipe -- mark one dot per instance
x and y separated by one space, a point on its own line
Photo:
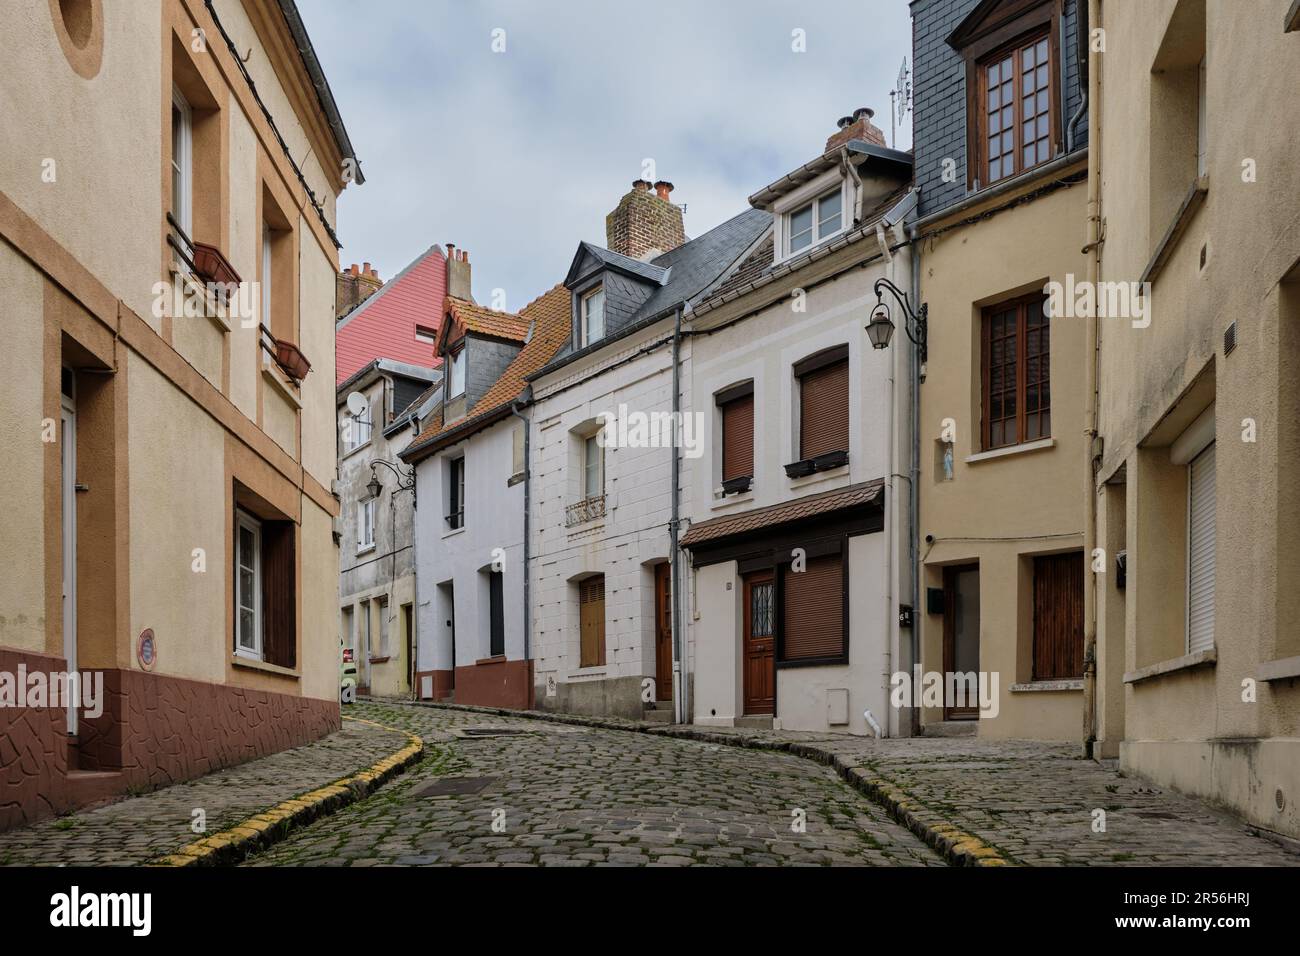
914 492
1093 252
680 710
1081 48
528 482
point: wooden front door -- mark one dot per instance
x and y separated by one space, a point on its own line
961 635
663 632
760 643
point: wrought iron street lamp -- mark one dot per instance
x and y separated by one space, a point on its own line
405 480
880 329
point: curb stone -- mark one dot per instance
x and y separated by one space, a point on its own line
271 826
956 846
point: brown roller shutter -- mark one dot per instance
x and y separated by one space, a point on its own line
1058 617
738 438
591 622
812 604
824 410
279 601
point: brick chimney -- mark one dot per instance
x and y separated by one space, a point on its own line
645 224
857 126
354 286
458 274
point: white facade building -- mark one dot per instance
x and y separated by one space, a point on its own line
799 535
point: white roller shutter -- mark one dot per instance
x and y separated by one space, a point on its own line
1200 552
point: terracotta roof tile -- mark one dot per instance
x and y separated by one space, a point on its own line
550 316
476 318
787 511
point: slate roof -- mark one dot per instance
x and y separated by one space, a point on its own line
787 511
484 321
690 269
616 260
549 316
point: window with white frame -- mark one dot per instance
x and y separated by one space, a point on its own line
593 467
182 175
356 430
456 493
248 586
266 277
456 373
593 316
813 222
365 525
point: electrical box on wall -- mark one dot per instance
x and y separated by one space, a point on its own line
934 600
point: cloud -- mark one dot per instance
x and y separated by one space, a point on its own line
518 155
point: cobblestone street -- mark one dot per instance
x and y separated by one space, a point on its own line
572 795
569 792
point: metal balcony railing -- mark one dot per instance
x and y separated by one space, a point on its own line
588 509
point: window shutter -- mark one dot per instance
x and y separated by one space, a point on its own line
279 602
1200 553
824 410
812 601
738 438
1058 617
591 613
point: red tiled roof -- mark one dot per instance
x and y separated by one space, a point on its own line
384 325
473 317
786 511
550 316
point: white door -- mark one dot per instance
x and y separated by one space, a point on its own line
68 446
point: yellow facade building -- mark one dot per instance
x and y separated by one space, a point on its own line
168 261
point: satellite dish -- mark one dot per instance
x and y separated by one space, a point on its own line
357 404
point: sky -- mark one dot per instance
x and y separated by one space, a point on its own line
517 154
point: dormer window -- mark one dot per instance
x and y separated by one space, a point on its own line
816 221
810 216
592 316
456 373
1012 55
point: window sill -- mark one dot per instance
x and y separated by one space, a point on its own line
1284 668
273 375
1022 448
722 502
1173 666
252 664
514 479
586 527
192 283
1046 686
361 551
817 477
380 660
494 659
452 532
585 672
362 447
1182 219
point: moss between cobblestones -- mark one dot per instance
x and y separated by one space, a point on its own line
271 826
952 843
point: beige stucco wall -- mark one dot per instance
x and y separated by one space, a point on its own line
22 527
1025 503
1180 724
103 136
319 654
176 505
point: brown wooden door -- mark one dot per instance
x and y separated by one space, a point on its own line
663 632
592 621
961 635
760 643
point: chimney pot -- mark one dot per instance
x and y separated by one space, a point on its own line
863 112
353 270
663 188
844 121
640 185
366 268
